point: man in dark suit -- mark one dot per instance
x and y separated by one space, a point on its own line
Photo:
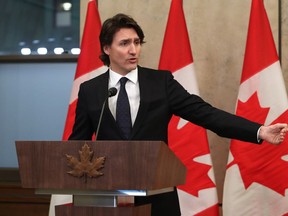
154 96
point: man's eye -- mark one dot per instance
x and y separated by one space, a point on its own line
124 43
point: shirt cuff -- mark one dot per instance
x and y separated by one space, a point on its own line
258 134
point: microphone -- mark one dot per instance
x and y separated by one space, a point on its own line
111 92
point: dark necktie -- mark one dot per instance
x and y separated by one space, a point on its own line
123 115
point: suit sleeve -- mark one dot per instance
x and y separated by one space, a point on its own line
194 109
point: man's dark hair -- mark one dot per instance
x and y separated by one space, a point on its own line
111 26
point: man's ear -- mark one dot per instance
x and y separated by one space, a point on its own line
106 50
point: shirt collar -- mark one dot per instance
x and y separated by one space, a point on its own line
115 77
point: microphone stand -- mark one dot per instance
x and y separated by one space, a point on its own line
111 92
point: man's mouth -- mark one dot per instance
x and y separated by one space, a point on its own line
133 60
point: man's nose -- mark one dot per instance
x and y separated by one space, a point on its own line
132 48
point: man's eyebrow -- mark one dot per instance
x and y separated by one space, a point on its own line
126 40
130 39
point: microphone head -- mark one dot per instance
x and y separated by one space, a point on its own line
112 92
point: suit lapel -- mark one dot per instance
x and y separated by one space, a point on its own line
102 84
144 100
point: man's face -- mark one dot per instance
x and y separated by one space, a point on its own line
124 51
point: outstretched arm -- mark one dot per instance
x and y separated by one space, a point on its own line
273 134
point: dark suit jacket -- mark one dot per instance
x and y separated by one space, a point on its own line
161 96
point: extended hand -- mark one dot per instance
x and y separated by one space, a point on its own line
274 134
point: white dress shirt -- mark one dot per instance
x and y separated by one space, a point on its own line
132 88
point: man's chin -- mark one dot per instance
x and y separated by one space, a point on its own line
133 67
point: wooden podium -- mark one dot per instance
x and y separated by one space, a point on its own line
99 173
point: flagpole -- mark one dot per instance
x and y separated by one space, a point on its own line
280 30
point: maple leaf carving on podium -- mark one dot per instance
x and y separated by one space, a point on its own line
86 167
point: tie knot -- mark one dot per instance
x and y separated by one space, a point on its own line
123 81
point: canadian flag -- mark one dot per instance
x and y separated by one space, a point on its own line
257 175
188 141
89 66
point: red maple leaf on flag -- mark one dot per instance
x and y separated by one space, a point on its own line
252 109
263 163
197 173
